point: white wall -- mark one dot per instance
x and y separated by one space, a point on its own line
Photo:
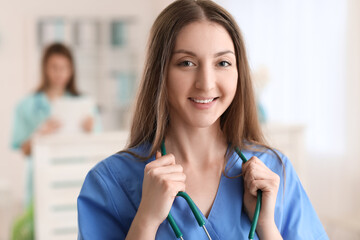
312 51
352 107
18 72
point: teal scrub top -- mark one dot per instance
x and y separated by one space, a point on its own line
111 194
29 114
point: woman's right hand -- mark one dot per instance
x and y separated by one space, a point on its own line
163 179
49 127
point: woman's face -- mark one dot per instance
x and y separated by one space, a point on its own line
202 74
58 71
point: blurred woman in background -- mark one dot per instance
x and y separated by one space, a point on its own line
33 113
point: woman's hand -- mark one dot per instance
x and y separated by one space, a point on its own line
88 124
26 147
49 126
258 176
163 179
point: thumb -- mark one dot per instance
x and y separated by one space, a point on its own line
158 155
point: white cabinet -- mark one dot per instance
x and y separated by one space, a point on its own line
60 166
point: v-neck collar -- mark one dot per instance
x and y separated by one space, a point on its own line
217 196
212 209
181 205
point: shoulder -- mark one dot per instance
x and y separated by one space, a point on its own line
124 166
28 100
118 177
276 161
29 104
272 158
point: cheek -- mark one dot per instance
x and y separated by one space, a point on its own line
51 73
65 71
67 74
234 87
63 76
230 85
178 83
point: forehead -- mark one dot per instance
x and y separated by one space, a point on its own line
204 36
58 58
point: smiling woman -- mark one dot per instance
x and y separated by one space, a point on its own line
201 84
196 98
202 75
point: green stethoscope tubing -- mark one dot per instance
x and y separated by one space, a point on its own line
258 201
198 216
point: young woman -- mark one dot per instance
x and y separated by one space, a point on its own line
196 95
32 115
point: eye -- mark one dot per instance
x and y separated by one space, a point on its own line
186 64
224 64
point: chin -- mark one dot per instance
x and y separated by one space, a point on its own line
203 123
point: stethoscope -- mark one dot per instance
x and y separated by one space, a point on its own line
197 214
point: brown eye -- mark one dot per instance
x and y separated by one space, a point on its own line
224 64
186 64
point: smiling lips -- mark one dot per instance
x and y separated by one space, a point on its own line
203 101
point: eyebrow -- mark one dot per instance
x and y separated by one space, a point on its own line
193 54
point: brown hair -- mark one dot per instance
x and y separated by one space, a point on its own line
57 49
239 122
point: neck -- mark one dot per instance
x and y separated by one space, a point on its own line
54 93
196 146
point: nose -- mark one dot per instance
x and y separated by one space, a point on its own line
205 79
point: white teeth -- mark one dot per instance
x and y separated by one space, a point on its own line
203 101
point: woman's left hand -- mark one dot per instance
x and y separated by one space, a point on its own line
88 124
258 176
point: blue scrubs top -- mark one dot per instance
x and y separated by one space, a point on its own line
111 195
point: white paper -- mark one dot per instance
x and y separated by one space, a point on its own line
71 112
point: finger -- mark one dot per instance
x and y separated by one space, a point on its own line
253 160
89 120
249 169
168 159
257 173
175 177
174 168
255 165
158 155
245 165
55 127
177 187
263 185
85 121
54 123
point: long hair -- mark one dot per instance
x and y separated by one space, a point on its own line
239 122
57 49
